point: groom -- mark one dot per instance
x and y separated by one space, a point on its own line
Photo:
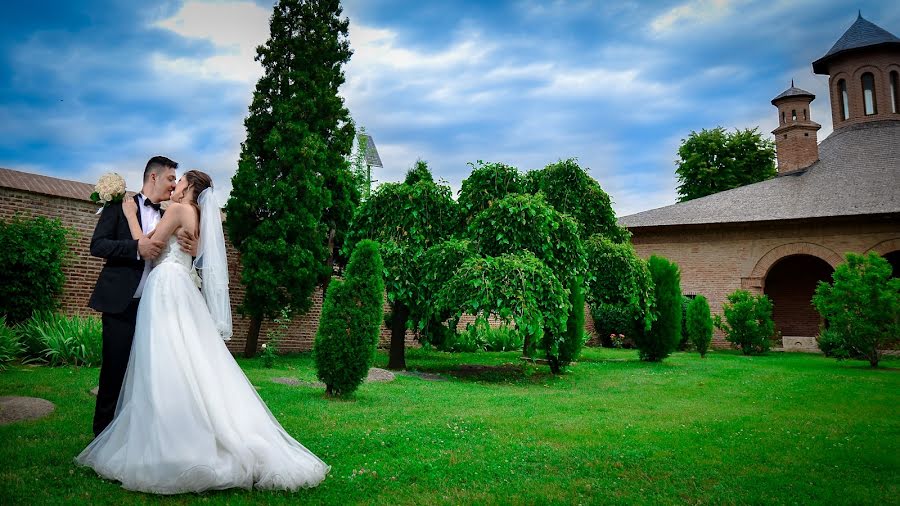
122 279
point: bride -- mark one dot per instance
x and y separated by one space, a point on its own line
188 419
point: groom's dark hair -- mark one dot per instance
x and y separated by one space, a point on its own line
156 164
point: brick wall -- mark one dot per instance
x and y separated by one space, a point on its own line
715 260
82 271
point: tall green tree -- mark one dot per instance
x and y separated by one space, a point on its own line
715 160
293 192
406 219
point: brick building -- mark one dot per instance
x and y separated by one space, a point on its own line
781 236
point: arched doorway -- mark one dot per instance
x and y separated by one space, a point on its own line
790 284
894 258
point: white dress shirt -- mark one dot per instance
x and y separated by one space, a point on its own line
149 220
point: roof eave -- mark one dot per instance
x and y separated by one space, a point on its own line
821 65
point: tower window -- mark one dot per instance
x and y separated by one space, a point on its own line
895 92
804 114
845 100
782 117
868 86
794 115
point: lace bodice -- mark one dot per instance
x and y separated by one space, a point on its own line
173 253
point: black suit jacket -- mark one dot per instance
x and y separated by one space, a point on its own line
122 272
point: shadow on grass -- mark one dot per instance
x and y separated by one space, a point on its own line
506 373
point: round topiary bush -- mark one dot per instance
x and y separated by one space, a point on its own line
748 321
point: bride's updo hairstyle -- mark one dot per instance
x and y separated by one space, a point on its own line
199 181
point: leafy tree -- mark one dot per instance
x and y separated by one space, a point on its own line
293 192
486 184
571 190
406 219
439 264
748 321
699 324
620 290
351 321
528 222
516 288
32 253
419 172
715 160
861 306
665 332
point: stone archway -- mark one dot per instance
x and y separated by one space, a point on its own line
890 250
790 284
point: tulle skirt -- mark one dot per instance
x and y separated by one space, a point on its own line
187 418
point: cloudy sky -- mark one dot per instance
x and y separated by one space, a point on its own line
92 86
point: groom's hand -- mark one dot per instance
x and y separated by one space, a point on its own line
188 242
149 248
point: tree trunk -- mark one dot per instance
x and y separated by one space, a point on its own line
252 336
397 352
329 264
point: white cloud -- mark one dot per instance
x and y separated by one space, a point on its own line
234 29
692 13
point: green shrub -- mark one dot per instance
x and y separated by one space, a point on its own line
748 321
699 324
619 289
350 324
665 332
31 334
32 253
10 346
861 308
59 340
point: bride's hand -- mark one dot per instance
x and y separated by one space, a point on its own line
129 207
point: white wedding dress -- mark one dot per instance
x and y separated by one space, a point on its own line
188 419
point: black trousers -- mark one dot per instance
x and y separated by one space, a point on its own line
118 334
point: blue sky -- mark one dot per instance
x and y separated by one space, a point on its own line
98 85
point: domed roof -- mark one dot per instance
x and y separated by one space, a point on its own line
793 91
863 33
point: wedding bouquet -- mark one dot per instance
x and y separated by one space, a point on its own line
110 188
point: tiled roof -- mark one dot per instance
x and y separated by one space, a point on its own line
863 33
793 91
46 185
858 173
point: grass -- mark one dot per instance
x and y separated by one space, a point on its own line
728 429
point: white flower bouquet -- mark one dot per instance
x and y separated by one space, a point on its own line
109 189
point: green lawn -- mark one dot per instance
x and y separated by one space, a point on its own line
728 429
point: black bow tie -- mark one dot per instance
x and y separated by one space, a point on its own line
151 204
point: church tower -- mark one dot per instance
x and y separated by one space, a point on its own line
863 69
795 137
